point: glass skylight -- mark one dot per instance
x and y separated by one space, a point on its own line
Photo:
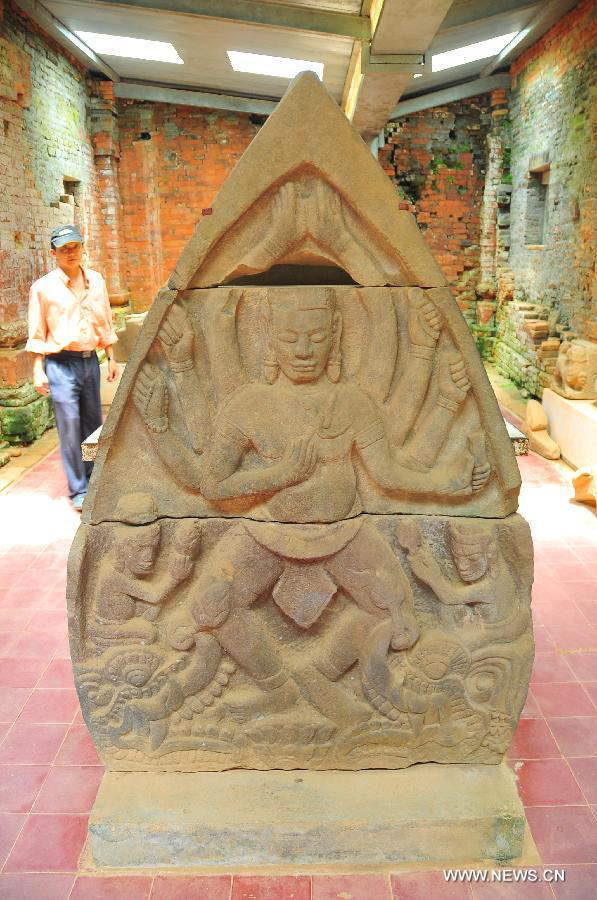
132 48
470 53
276 66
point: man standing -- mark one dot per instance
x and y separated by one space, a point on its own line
69 319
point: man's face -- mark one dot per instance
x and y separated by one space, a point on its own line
69 255
302 340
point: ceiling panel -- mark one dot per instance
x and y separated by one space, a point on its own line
202 44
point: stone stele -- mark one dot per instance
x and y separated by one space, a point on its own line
300 547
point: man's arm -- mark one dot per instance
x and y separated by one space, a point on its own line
36 343
108 336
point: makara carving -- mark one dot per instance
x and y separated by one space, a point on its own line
575 376
300 548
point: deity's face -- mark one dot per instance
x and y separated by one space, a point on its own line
139 551
472 563
574 367
301 339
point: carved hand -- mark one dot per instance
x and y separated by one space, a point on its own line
188 538
424 321
181 567
453 380
176 337
298 461
481 465
150 396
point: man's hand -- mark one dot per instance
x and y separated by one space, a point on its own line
176 337
424 321
112 369
150 396
40 381
453 380
424 565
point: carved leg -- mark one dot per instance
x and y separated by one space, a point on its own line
336 653
371 574
238 572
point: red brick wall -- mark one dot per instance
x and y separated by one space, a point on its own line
437 159
173 161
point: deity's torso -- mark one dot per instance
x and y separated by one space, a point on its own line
272 417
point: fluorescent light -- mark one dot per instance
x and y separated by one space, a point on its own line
276 66
133 48
470 53
418 75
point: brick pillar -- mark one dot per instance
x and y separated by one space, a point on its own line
139 174
106 151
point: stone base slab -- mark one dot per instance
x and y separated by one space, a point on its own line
572 425
428 813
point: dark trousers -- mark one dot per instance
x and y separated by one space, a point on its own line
75 391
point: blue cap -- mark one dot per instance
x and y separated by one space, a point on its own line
65 234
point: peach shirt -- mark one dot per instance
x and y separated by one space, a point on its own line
59 320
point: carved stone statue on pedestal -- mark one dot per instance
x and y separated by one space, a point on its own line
300 547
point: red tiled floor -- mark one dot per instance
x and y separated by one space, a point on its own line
12 700
59 674
272 887
426 886
564 834
584 665
550 667
32 744
585 772
36 887
48 843
533 740
208 887
563 700
580 884
10 826
69 789
357 887
19 786
575 736
534 890
132 887
547 782
17 672
50 706
78 749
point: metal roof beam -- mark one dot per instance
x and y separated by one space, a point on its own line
255 12
135 90
56 29
548 15
449 95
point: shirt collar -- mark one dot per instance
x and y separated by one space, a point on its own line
65 279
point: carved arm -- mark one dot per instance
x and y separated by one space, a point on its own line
222 479
176 337
424 323
449 593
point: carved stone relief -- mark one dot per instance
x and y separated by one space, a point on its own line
575 376
299 547
381 641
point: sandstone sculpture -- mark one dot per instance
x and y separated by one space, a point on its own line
584 485
300 546
535 428
575 375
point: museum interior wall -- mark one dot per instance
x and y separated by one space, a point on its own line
502 186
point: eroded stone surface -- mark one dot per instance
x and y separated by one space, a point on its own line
247 589
576 370
381 641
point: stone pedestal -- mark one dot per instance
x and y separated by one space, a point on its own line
428 813
572 425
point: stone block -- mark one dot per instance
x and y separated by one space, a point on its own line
23 424
429 814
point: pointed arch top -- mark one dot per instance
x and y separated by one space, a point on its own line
307 158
